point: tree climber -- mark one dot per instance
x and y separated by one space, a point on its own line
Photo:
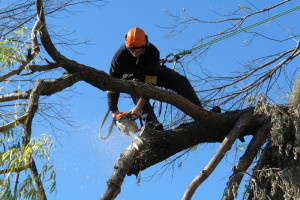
138 59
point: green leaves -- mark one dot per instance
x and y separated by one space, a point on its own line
11 49
17 159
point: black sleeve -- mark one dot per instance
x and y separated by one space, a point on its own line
112 100
116 72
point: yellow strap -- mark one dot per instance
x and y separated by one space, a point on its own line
151 79
108 92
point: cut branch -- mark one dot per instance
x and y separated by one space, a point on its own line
120 171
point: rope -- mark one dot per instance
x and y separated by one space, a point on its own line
179 55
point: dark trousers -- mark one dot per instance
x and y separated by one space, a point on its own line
172 80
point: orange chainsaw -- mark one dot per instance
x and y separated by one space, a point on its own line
125 123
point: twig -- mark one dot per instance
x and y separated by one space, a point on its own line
19 169
12 124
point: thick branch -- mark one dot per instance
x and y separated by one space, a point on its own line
51 87
102 81
224 147
31 110
245 161
158 146
120 171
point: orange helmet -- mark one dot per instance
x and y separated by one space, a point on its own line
136 37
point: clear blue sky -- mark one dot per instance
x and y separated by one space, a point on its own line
83 162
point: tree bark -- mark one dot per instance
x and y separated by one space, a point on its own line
294 99
276 176
158 146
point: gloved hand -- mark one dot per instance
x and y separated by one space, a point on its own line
117 116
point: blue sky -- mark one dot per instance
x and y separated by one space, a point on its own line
83 162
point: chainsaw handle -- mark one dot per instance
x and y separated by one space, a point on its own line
127 115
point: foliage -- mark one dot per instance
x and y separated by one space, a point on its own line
11 51
16 152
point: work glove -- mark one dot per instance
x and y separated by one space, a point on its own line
117 116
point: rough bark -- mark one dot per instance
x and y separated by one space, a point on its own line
294 99
158 146
277 174
31 110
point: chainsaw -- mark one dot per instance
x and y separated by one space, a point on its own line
127 125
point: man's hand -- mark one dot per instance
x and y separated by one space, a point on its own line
116 114
137 110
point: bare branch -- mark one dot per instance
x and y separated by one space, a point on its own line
224 147
245 161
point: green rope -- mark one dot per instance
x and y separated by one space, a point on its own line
237 31
166 110
177 55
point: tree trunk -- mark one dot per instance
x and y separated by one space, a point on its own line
294 99
277 174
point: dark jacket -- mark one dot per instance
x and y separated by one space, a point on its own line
123 63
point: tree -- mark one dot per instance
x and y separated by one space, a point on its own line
278 125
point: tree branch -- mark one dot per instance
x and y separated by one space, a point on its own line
224 147
5 171
157 145
31 110
14 123
245 161
17 71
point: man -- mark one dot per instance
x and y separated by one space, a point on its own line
138 59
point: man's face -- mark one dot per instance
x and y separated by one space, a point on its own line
136 52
